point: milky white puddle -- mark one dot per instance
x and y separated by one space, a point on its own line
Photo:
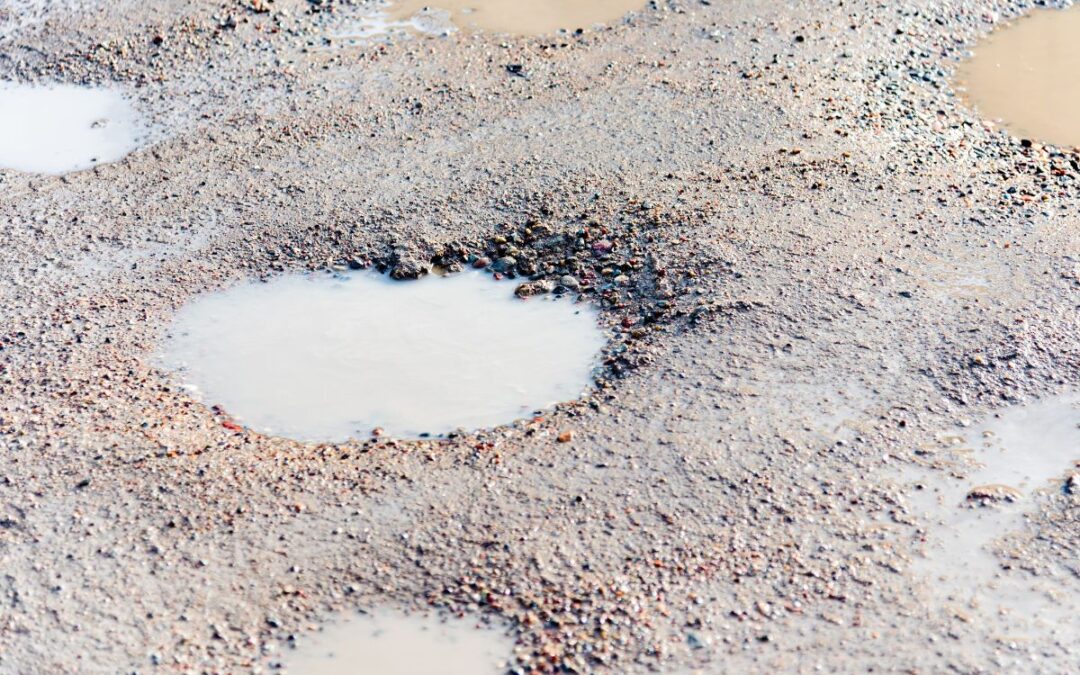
59 128
388 643
332 357
1020 454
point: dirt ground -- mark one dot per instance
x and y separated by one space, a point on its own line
780 208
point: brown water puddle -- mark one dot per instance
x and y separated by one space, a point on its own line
1026 75
521 17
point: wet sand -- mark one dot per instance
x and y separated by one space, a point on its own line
812 256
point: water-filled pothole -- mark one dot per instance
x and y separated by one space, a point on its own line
519 17
1024 74
1018 453
60 128
332 357
388 643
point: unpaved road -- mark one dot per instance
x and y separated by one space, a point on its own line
781 208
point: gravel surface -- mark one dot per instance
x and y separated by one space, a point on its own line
779 208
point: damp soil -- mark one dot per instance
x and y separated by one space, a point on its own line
809 253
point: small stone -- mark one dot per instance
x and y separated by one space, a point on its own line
409 270
504 264
526 267
532 288
986 494
566 437
570 283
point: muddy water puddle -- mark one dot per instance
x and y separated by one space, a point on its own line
332 357
1025 75
523 17
389 643
1007 463
54 129
518 17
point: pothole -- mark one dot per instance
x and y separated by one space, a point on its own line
55 129
333 357
1024 74
1019 453
388 643
517 17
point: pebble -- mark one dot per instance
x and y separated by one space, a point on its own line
987 494
531 288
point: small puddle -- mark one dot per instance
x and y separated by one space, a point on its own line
332 357
394 644
55 129
518 17
1020 453
1024 74
378 25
